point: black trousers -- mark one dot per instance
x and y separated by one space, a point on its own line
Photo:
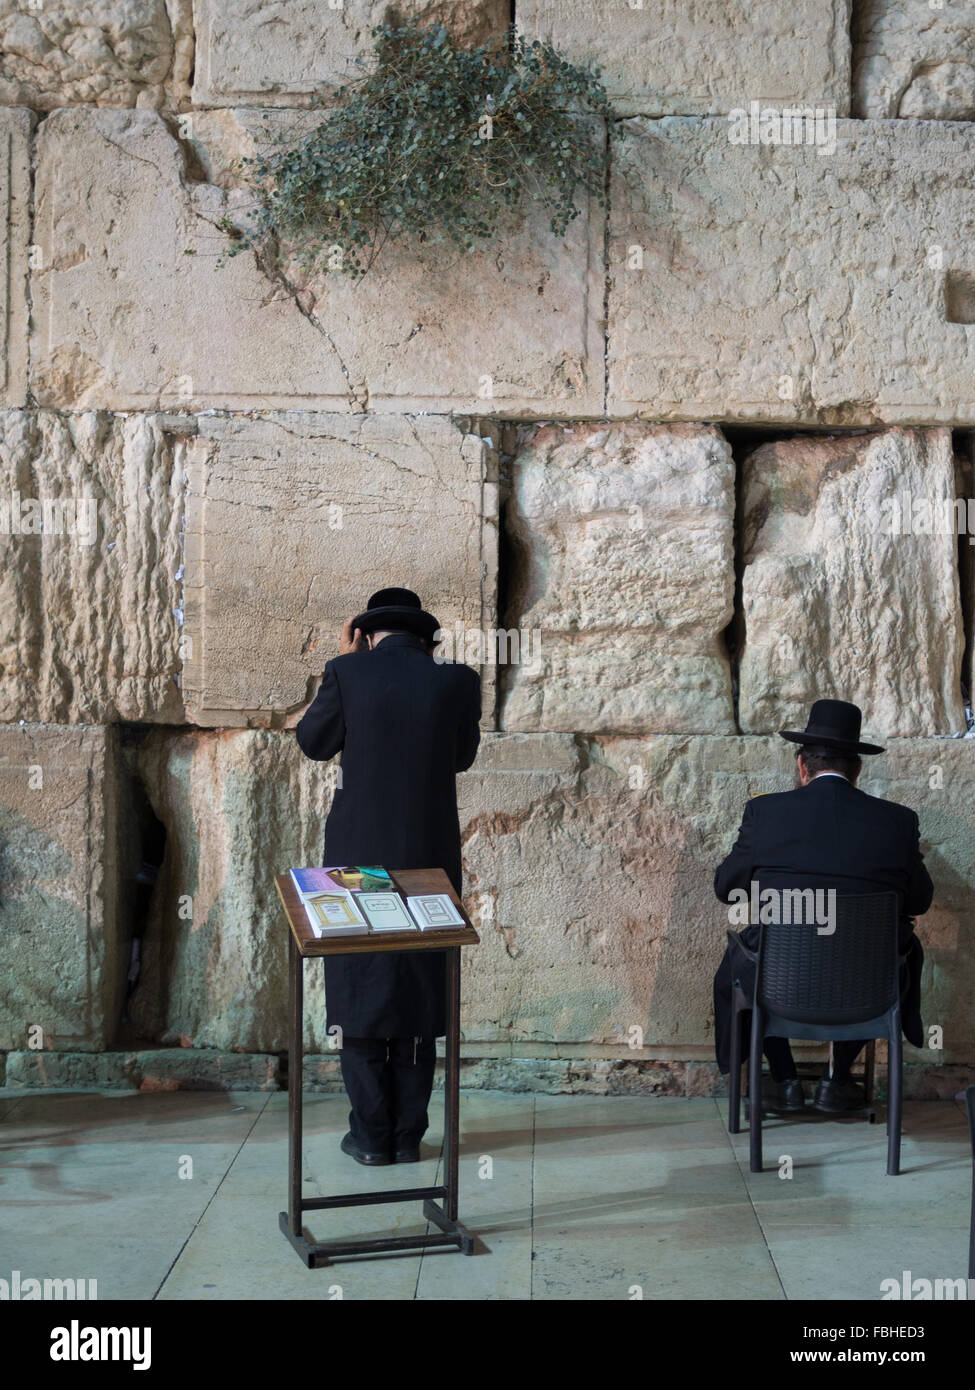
389 1081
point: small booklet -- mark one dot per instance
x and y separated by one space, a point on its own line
331 910
434 912
385 912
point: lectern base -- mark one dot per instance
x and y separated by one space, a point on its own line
302 943
316 1254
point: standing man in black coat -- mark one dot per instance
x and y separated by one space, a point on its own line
826 834
405 724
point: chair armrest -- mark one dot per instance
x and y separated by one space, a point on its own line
735 940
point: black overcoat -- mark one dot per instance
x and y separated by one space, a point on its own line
405 725
827 834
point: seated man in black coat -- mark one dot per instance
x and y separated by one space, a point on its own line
825 834
406 725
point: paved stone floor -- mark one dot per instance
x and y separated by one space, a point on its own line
588 1197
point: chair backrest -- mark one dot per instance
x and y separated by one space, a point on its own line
844 976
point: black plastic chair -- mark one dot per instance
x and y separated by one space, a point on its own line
839 986
970 1102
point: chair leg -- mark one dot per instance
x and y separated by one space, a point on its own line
895 1082
755 1094
734 1078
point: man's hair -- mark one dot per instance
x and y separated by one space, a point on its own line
824 760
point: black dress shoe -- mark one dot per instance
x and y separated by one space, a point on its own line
839 1097
407 1155
371 1160
783 1097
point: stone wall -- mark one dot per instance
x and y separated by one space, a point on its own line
695 459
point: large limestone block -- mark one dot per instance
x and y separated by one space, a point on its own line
624 581
95 53
89 605
239 807
15 134
131 311
294 519
776 283
63 963
514 328
278 53
684 57
912 58
590 877
847 592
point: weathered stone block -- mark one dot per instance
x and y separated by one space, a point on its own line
156 1069
687 58
912 58
130 312
293 520
148 320
592 888
937 778
63 959
89 604
239 808
95 53
15 133
850 586
624 579
777 283
272 53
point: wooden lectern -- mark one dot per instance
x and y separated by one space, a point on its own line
302 943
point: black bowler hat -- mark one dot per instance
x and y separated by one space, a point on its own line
398 610
835 726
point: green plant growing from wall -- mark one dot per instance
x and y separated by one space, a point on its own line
436 143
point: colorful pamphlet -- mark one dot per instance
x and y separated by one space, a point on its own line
434 912
358 878
331 910
385 912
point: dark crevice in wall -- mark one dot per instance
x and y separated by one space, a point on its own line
852 36
141 851
193 168
512 560
733 636
963 444
959 293
30 400
607 210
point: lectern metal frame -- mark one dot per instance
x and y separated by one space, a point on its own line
440 1201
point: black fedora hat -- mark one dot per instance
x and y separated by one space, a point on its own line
833 725
399 610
